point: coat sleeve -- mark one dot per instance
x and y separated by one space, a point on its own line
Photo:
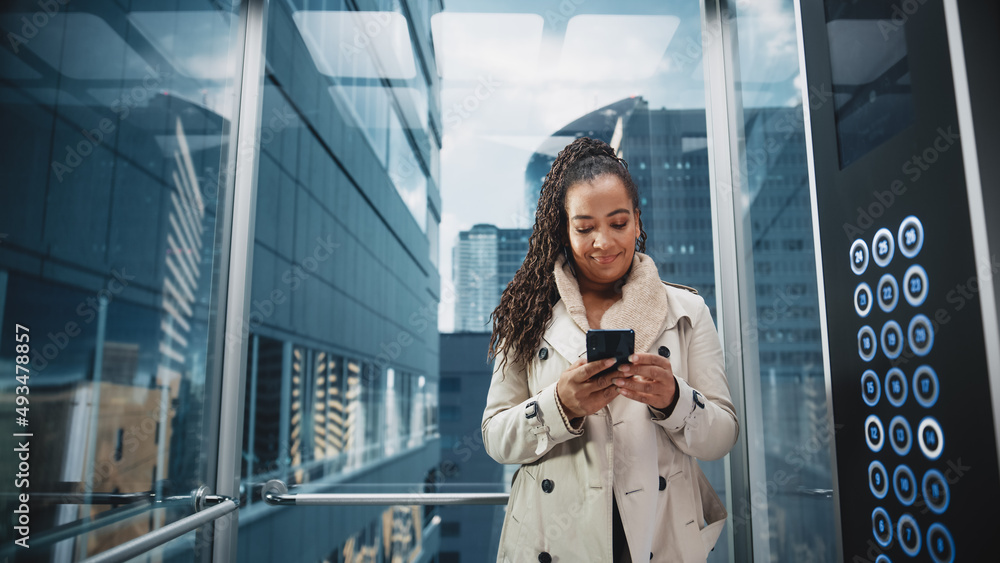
514 429
703 423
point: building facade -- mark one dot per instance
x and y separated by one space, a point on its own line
484 262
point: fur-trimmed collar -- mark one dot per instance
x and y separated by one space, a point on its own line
643 306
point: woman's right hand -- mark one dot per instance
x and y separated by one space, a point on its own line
582 394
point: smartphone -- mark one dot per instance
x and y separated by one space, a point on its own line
617 344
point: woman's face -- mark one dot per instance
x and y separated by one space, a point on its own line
602 228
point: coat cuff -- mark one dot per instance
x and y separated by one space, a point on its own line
550 425
689 404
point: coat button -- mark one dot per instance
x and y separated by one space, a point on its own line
663 483
548 485
543 353
544 557
650 555
664 351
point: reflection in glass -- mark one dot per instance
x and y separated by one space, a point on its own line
112 178
796 482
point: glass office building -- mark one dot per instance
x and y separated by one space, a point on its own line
229 231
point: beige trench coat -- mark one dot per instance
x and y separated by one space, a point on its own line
560 502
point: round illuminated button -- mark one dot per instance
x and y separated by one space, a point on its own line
920 335
878 479
911 236
871 390
895 387
859 257
874 433
881 527
866 343
888 293
900 436
930 437
905 485
925 386
883 246
892 339
915 285
909 535
863 299
936 491
940 544
882 559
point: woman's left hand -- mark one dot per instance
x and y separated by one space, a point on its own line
648 378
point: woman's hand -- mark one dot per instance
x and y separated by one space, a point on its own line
579 394
648 378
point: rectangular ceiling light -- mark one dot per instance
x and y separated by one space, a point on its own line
358 44
471 46
196 43
602 47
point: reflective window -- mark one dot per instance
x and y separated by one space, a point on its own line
114 178
402 153
791 502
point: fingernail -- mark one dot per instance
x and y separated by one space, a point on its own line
610 362
633 358
617 382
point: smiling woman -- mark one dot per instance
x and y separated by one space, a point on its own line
611 442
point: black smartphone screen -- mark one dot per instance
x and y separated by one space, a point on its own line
617 344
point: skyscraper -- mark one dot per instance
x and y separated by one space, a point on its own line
485 260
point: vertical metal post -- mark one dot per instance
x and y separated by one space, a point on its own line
736 296
252 410
285 416
247 120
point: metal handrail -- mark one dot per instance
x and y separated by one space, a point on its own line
90 498
130 505
158 537
275 493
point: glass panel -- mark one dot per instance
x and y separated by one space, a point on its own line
390 134
797 482
109 216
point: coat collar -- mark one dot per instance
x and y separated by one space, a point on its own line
646 306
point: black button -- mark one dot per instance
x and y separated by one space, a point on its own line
548 485
663 483
543 353
544 557
663 351
882 527
939 543
895 386
650 555
909 535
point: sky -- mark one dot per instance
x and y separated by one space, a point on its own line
515 72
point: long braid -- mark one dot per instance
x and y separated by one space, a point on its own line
526 304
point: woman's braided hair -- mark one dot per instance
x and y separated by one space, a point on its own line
526 304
